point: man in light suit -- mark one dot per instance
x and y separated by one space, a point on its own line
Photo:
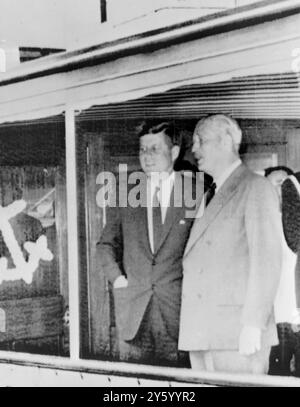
232 260
141 251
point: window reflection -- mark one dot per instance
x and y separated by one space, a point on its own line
33 287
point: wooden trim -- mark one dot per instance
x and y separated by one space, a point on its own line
73 249
140 372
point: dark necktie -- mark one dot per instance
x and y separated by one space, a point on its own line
156 219
210 193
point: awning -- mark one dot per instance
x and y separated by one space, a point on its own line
218 66
263 96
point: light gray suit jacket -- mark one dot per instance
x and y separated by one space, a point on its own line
232 265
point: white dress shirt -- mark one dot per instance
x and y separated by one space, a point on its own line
226 174
165 186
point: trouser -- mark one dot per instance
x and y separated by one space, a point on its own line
281 354
154 344
297 354
230 361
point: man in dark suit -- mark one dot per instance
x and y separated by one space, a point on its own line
141 252
290 191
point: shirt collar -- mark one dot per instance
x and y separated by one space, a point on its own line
155 181
165 185
226 174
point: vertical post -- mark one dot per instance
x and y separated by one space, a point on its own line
73 253
103 11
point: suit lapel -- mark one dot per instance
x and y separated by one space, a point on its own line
142 221
218 202
173 214
180 204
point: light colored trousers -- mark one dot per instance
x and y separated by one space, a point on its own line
231 361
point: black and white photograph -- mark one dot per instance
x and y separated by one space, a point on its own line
149 196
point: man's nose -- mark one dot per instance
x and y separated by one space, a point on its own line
148 158
194 148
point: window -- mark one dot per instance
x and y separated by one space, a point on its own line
33 264
107 146
106 139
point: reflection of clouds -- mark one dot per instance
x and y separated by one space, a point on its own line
43 209
37 250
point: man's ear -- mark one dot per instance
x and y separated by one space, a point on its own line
175 152
226 141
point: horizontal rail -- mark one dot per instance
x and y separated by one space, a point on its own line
145 372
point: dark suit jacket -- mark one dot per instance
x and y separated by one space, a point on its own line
291 223
124 248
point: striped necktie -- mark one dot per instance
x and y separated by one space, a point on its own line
156 220
210 193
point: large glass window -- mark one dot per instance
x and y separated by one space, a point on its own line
107 143
108 147
33 238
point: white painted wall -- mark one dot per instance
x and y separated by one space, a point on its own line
32 22
125 10
46 23
67 23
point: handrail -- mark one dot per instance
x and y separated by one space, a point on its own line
146 372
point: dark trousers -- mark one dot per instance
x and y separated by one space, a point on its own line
281 355
154 344
297 354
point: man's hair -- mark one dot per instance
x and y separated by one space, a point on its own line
225 124
269 170
168 128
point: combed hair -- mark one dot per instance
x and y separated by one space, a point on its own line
168 128
226 124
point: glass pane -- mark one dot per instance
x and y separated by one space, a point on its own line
111 148
33 263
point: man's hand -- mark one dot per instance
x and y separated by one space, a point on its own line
250 340
120 282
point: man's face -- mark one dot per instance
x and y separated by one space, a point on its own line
277 178
156 154
207 149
